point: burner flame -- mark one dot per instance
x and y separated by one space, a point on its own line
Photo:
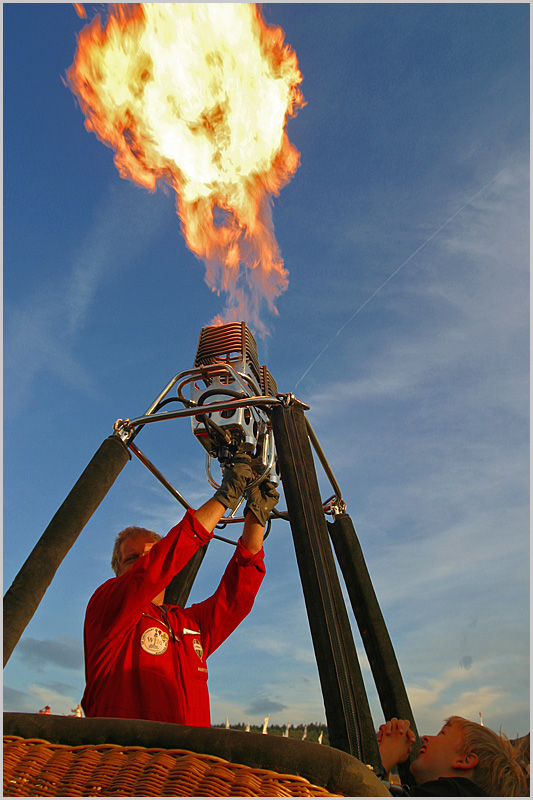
197 96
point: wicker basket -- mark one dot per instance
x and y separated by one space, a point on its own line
36 768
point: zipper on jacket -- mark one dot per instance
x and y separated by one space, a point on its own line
165 622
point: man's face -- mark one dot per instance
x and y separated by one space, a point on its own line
132 549
439 754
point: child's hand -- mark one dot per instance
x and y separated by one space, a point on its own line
395 740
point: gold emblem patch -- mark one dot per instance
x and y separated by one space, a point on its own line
154 641
198 649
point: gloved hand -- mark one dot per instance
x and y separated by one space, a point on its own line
261 499
237 474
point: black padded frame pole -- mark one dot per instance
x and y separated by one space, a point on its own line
349 721
27 590
179 589
378 646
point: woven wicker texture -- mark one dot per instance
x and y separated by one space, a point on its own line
35 768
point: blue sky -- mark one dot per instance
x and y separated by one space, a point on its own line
414 164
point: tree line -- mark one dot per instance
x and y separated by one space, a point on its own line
314 729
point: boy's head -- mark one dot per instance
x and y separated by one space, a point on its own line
444 755
466 749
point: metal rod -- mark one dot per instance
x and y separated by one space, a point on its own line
249 387
160 477
204 409
166 390
323 461
198 373
173 491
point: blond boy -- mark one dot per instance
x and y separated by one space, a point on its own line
463 759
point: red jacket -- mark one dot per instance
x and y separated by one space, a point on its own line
140 664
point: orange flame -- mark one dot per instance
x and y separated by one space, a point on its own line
80 11
197 95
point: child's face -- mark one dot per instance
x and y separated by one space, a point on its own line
439 754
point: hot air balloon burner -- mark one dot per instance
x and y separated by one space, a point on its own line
229 368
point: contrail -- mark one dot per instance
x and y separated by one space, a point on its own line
396 271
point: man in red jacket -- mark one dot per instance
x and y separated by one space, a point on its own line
147 660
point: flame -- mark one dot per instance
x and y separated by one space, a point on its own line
197 95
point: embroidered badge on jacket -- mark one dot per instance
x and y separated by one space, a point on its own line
154 641
198 649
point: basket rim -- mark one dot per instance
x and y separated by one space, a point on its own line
319 765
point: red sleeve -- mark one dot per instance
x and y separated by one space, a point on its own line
220 614
118 601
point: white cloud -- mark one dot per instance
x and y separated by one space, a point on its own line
59 703
42 330
279 642
469 703
61 651
34 341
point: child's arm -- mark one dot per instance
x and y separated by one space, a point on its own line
395 741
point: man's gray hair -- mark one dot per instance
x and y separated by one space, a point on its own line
131 532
